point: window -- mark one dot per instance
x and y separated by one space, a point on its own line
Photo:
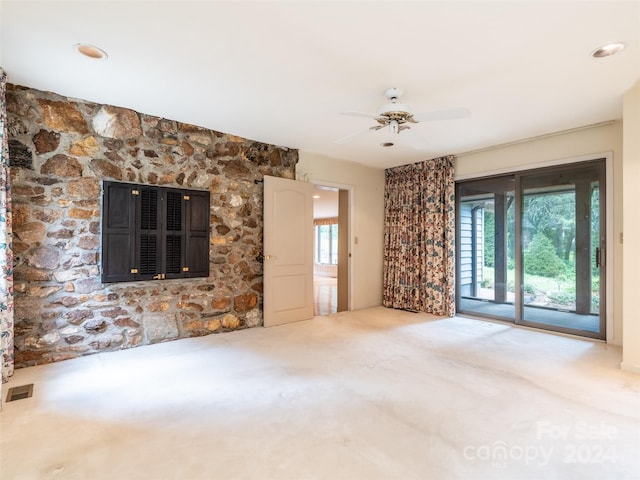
327 244
153 233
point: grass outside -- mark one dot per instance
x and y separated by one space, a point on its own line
542 291
544 284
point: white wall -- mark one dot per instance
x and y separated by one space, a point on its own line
631 190
367 219
580 144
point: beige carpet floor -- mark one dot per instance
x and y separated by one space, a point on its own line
372 394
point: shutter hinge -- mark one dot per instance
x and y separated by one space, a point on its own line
134 270
135 192
185 269
186 197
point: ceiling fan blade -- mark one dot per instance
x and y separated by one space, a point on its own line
350 136
360 114
448 114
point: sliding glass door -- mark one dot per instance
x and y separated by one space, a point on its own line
531 248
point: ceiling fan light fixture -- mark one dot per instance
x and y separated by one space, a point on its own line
608 50
395 117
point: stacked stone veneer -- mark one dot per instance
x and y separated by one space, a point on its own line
60 150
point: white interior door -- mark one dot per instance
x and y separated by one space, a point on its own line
288 251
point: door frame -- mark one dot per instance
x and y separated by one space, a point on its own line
349 189
611 335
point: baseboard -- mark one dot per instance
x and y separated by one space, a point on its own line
628 367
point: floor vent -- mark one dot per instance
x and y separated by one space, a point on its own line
18 393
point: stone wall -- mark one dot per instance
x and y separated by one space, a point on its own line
60 150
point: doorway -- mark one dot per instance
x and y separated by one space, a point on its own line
330 273
531 248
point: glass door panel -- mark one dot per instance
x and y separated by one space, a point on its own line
560 242
486 253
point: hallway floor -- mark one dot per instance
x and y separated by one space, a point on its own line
371 394
325 295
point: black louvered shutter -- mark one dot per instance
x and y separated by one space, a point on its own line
197 234
118 232
174 233
149 229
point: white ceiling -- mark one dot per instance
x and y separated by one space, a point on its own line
282 72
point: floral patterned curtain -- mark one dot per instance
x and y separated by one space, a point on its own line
6 247
419 237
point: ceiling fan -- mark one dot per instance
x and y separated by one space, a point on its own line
397 116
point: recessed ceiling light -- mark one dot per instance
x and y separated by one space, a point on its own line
608 49
387 144
91 51
316 196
